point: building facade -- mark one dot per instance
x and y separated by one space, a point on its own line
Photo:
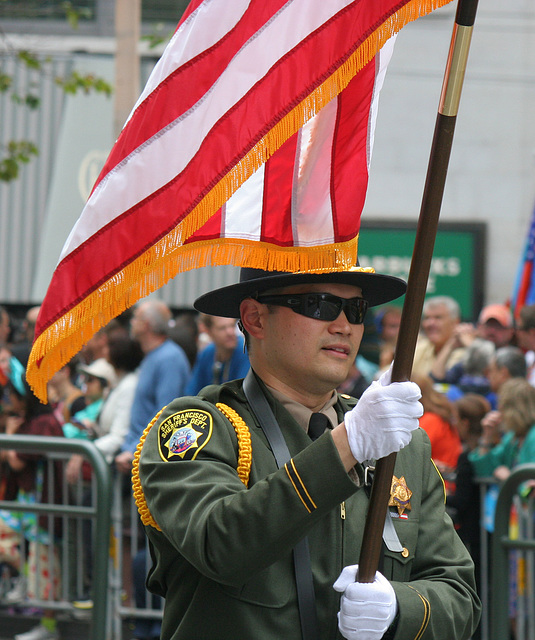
491 177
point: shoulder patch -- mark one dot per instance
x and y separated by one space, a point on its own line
183 434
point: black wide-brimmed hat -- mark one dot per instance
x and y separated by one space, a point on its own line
376 287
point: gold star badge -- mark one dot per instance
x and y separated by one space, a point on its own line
400 495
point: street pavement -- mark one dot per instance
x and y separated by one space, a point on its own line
12 623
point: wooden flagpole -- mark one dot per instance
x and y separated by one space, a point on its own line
420 266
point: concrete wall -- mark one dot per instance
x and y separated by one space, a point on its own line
491 175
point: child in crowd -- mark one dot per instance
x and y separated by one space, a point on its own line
28 482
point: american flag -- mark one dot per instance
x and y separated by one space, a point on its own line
524 289
278 94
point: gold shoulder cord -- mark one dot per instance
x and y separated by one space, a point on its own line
442 479
245 450
141 503
245 457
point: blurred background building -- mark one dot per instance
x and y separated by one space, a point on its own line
490 190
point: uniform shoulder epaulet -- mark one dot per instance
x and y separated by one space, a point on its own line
245 457
139 496
245 450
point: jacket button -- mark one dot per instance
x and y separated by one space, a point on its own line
405 552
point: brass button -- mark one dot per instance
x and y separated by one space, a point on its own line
405 552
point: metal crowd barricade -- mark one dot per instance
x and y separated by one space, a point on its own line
130 546
484 540
502 544
72 511
119 538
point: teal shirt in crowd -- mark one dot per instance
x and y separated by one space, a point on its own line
90 413
509 453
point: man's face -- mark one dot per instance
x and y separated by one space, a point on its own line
496 376
4 327
495 332
438 325
137 323
223 333
525 337
390 325
309 356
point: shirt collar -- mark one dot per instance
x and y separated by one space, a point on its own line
301 414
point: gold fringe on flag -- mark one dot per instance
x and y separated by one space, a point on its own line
59 342
170 256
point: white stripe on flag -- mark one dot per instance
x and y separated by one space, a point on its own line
381 63
312 190
243 211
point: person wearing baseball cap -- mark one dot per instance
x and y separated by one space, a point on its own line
102 370
254 493
100 377
495 323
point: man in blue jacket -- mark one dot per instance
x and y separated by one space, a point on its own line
223 359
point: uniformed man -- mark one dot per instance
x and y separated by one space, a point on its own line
252 516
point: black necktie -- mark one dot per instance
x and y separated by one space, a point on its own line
317 424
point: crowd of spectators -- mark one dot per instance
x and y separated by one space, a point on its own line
107 394
477 381
478 392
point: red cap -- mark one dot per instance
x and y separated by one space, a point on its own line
498 312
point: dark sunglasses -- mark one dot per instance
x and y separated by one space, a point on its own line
320 306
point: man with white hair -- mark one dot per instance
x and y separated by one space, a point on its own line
439 347
163 374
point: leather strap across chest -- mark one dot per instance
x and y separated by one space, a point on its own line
301 554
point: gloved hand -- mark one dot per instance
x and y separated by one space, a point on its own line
367 609
383 419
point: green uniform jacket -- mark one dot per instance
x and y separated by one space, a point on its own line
223 557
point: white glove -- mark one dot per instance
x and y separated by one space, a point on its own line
384 418
367 609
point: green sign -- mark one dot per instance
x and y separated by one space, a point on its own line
457 267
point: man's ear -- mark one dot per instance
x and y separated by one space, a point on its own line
252 315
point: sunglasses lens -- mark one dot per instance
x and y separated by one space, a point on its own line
328 309
321 306
356 310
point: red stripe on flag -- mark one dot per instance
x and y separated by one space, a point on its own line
278 190
349 175
209 231
525 282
